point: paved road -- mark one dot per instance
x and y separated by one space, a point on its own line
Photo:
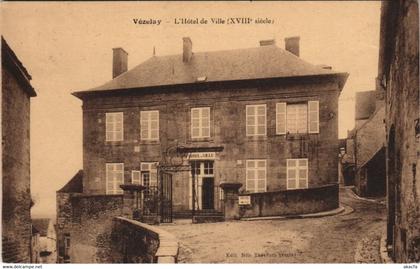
345 238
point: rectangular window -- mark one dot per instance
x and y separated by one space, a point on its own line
256 120
149 173
114 178
200 122
297 122
297 174
149 125
66 246
297 118
135 177
114 126
256 175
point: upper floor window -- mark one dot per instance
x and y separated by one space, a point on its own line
149 174
200 122
297 174
256 120
256 172
114 126
149 125
114 178
297 118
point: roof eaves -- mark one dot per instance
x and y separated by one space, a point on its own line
341 75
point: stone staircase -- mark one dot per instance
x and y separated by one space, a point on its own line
201 216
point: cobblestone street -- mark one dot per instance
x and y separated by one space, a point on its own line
352 236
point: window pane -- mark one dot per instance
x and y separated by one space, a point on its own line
291 174
251 174
261 130
205 123
250 164
250 110
144 133
261 120
261 110
154 125
195 122
281 107
250 120
261 164
195 132
261 185
302 183
291 163
154 116
206 132
194 113
109 117
302 174
250 130
261 174
250 185
291 184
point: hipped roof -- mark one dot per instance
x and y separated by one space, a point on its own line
216 66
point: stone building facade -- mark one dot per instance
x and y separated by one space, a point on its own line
399 77
16 195
262 117
369 144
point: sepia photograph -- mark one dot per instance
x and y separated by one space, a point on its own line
229 132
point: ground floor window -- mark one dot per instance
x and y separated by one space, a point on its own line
297 174
256 175
149 174
114 178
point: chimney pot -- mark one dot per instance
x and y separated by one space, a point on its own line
292 44
119 62
267 42
187 49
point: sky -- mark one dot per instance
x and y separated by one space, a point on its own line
67 47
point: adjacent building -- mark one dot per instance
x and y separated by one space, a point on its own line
368 141
47 240
399 78
16 195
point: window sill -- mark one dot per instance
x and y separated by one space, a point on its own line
115 143
204 139
149 142
257 138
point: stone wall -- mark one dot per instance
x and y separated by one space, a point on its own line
228 106
291 202
87 221
399 63
16 196
136 242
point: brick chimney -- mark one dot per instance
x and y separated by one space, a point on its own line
292 44
267 42
187 49
119 62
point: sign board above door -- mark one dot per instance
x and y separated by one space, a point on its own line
202 156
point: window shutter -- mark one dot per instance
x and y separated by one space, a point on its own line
313 111
281 118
